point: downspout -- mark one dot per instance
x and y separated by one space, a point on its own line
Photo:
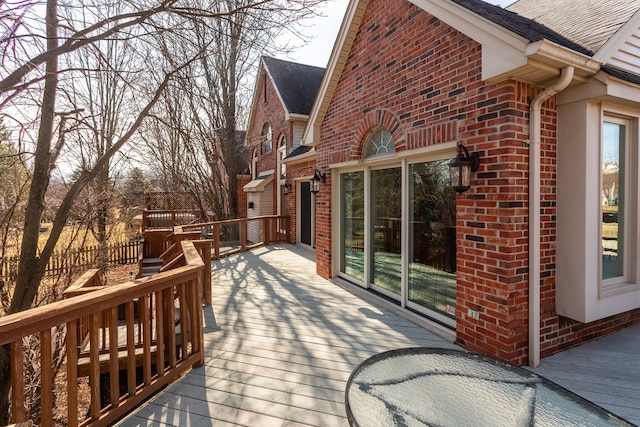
534 210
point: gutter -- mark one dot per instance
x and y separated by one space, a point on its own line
566 76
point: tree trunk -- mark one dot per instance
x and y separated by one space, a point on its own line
31 267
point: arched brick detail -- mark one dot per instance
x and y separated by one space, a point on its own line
370 122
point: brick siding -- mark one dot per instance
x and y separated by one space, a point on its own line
421 79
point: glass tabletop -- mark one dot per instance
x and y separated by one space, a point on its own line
441 387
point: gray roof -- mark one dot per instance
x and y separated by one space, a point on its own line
521 25
301 149
589 23
298 84
581 25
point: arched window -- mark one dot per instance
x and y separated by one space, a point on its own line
282 150
254 163
267 143
379 143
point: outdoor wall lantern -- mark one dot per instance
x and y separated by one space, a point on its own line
461 167
287 188
315 181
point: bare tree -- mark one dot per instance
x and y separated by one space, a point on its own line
214 92
31 52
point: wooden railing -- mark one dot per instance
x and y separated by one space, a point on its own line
213 240
238 235
135 337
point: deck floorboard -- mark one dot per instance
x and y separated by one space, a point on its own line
281 343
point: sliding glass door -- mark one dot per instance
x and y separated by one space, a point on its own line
352 217
405 252
432 234
386 229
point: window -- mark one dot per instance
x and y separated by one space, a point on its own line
598 219
267 143
397 226
379 143
282 149
613 187
254 164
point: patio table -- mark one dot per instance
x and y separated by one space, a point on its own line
442 387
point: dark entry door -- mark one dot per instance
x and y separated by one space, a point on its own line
305 213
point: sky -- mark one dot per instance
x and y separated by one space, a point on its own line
324 29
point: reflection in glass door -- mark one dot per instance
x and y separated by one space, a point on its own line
386 229
352 217
432 233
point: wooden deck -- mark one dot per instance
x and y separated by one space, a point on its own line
281 343
605 371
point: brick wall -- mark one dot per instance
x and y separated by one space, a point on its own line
242 195
270 110
298 172
421 79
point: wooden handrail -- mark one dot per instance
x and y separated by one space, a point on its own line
265 231
165 333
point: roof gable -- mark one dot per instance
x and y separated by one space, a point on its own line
622 50
297 84
512 47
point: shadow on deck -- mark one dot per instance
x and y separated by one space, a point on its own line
281 342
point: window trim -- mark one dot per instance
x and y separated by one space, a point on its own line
579 292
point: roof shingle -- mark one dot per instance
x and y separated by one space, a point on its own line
297 84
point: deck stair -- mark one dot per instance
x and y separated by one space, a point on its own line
150 266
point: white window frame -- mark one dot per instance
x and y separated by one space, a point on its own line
608 285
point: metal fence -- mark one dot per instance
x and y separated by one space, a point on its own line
62 262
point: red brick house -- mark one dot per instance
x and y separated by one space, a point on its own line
542 252
280 168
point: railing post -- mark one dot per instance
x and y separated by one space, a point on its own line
216 240
206 274
244 225
265 231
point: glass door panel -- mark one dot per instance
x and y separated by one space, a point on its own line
432 233
352 219
386 230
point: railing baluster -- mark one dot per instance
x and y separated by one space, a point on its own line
146 340
72 372
160 327
184 320
94 365
131 348
171 330
114 368
17 381
46 379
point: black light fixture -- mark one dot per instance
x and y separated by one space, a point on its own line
315 181
286 188
461 167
